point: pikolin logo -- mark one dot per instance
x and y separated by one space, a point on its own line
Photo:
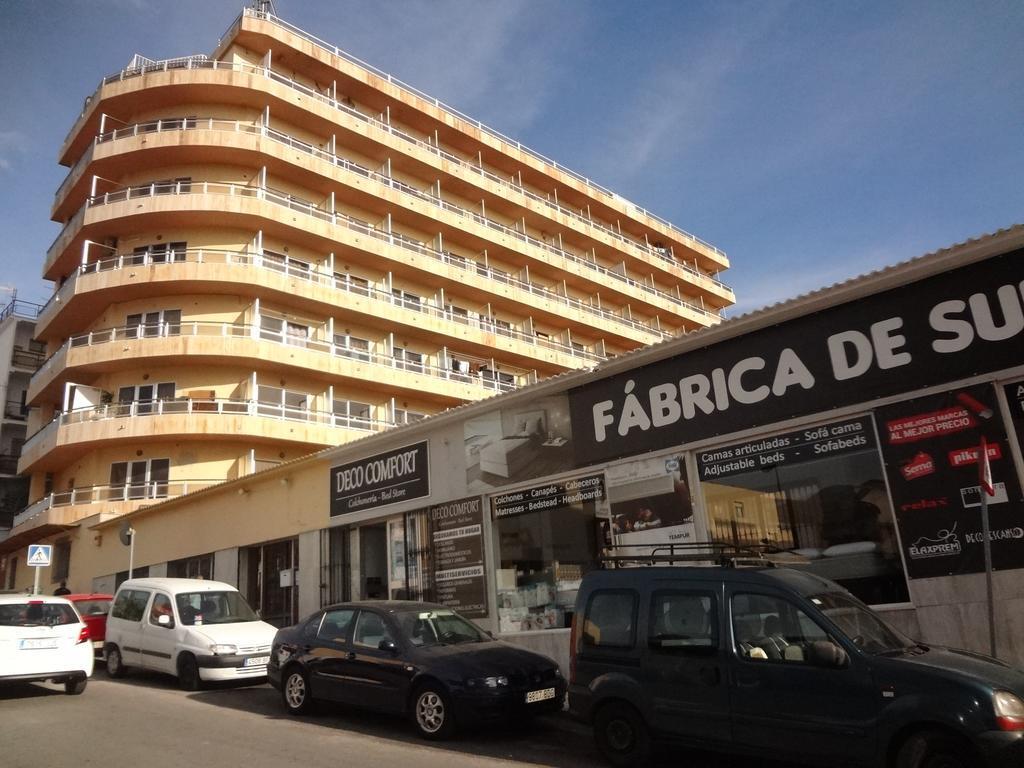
946 542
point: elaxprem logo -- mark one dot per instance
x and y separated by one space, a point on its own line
912 506
944 543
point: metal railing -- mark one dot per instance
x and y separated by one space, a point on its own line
26 309
15 409
196 63
333 49
188 406
486 380
257 261
300 205
237 126
94 494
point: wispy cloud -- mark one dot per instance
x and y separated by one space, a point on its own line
13 145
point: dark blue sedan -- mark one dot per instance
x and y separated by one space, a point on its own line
417 659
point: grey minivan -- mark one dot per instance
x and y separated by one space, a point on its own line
782 664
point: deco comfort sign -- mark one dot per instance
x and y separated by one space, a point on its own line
387 478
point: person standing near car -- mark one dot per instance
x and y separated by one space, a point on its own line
62 589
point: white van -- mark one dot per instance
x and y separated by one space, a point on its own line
195 629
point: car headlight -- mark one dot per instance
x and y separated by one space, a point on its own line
1009 711
221 649
487 682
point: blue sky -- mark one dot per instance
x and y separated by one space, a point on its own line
812 141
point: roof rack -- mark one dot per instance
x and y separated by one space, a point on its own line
711 553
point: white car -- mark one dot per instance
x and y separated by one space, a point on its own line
44 638
196 629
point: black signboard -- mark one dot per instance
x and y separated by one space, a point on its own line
387 478
1015 398
789 448
456 530
931 447
589 488
937 330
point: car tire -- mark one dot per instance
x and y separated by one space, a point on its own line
114 662
934 749
432 712
75 687
621 735
295 691
188 673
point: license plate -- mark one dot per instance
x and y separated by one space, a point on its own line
257 661
541 695
37 643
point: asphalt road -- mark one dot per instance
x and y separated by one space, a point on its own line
144 720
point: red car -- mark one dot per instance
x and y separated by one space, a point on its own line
94 610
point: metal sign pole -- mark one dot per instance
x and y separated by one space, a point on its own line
35 587
131 554
988 574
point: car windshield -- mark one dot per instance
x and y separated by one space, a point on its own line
438 627
35 614
99 607
196 608
860 624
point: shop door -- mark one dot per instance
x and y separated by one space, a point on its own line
271 581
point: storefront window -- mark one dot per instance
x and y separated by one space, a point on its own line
547 538
816 494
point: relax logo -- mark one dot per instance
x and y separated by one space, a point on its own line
945 543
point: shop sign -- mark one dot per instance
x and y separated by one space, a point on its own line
931 447
788 448
539 498
387 478
456 529
937 330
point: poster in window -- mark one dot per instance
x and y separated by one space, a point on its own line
650 501
930 446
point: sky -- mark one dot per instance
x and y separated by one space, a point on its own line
812 141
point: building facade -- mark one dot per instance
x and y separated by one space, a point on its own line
842 430
20 357
276 248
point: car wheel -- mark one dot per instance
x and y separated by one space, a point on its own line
75 687
621 735
296 693
115 664
934 749
188 673
432 713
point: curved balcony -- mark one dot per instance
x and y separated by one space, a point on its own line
238 194
200 342
74 433
58 511
221 130
224 270
715 256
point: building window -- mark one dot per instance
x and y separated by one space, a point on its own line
159 253
408 360
281 403
351 346
407 300
351 414
283 331
142 479
352 283
281 262
61 560
199 567
403 416
829 508
144 398
166 322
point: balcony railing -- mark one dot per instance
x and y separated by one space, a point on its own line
383 124
236 126
256 261
15 409
20 308
333 49
244 331
207 407
94 494
300 205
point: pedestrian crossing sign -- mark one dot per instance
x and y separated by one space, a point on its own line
39 554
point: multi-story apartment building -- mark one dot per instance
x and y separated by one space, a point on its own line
277 248
20 356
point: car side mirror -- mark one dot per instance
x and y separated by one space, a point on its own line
825 653
388 645
165 621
